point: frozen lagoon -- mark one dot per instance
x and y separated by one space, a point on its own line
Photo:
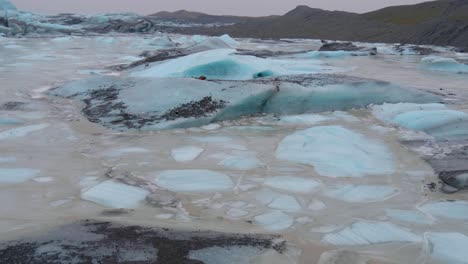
359 188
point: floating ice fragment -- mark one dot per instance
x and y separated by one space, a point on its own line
305 119
193 181
408 216
247 161
115 195
43 179
277 201
236 213
317 205
448 209
187 153
225 255
11 176
124 151
335 151
368 233
21 131
292 184
437 63
449 247
361 193
274 221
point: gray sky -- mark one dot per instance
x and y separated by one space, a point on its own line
231 7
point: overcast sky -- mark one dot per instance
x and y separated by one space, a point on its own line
231 7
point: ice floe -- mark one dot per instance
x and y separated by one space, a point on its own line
193 181
361 193
368 233
187 153
17 175
21 131
292 184
335 151
437 63
448 247
242 161
225 255
278 201
274 221
124 151
410 216
447 209
115 195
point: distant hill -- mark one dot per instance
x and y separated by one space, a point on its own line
442 22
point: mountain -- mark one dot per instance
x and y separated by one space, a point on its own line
184 16
442 22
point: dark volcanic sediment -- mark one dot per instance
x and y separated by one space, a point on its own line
105 242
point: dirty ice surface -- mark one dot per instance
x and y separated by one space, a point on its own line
311 150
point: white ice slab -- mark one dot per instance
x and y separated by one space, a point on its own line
115 195
368 233
292 184
17 175
274 221
193 181
187 153
361 193
335 151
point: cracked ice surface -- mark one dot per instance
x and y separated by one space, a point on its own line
335 151
367 233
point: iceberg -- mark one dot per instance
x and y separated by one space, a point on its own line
139 103
223 64
335 151
369 233
434 119
361 193
6 5
193 181
436 63
115 195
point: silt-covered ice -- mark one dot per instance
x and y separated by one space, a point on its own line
335 151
